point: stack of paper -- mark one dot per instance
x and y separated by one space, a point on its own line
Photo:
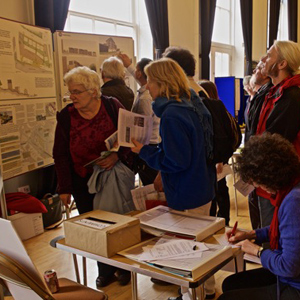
179 256
163 219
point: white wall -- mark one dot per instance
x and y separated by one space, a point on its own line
183 26
238 65
260 23
18 10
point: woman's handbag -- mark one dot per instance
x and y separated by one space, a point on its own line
54 217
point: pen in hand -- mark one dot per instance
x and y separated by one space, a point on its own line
233 229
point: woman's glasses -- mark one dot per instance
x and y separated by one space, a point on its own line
75 92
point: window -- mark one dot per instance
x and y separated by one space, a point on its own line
227 41
283 22
222 25
113 17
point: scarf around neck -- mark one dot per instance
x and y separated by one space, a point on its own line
276 201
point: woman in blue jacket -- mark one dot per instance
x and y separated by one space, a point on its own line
181 156
271 163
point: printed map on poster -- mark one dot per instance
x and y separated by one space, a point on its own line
26 61
79 49
27 98
26 135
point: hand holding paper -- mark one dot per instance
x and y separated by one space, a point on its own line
137 146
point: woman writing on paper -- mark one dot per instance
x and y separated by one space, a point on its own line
82 128
270 162
186 136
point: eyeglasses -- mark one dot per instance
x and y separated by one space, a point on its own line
75 92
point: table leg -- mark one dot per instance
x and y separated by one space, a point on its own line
134 286
76 268
1 292
84 270
194 294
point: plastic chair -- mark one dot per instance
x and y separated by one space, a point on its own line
16 276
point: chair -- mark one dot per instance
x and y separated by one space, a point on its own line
23 281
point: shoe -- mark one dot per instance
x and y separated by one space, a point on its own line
102 281
175 298
124 278
160 282
210 296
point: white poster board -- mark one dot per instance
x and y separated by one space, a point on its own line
27 98
80 49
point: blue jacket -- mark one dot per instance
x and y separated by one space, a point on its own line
187 178
285 261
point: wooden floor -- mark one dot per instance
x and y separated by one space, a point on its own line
45 257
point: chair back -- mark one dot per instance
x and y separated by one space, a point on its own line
12 247
14 274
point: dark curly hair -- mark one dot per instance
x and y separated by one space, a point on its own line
183 57
269 160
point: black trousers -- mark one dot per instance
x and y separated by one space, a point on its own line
254 210
147 174
258 284
222 200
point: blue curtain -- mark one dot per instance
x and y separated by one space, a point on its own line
51 13
157 11
246 15
292 6
207 17
274 9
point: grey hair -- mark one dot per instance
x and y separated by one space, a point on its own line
289 51
85 76
113 68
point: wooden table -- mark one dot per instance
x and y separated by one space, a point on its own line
140 268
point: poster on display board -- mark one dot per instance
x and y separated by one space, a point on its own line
27 98
80 49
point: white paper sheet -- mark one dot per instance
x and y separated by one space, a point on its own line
244 188
177 248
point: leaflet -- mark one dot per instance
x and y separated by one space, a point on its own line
132 125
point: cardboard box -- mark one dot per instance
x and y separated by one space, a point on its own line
27 225
102 233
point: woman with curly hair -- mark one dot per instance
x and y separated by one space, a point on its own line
271 163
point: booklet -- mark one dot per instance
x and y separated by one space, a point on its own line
103 155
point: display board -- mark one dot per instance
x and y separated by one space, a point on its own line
80 49
27 98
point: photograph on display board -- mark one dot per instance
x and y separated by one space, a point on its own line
80 49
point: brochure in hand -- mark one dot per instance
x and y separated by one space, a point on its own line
103 155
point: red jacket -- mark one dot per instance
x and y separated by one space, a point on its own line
280 114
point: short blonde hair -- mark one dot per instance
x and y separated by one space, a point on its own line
289 51
85 76
113 68
170 78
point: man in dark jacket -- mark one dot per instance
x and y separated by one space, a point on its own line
113 75
281 107
251 119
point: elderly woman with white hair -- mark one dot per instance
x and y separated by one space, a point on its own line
113 76
82 128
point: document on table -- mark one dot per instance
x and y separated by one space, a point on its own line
139 196
222 240
252 258
177 248
162 218
226 171
132 125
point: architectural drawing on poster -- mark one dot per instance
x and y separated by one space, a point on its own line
26 141
27 98
26 61
79 49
